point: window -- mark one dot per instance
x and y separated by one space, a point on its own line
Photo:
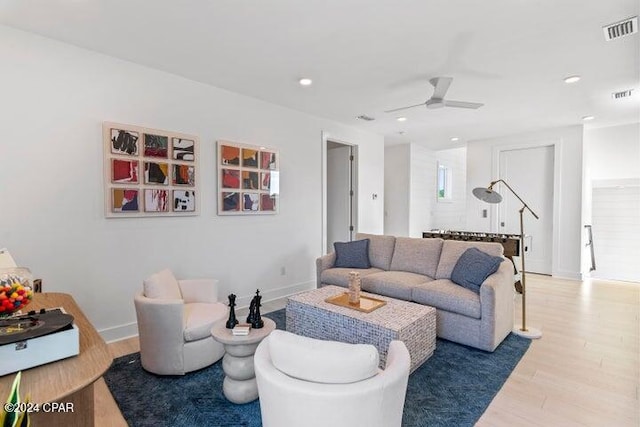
444 183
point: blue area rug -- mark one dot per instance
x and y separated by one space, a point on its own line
452 388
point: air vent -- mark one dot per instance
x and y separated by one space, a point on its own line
621 29
622 94
365 118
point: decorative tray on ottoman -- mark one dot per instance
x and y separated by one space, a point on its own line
366 305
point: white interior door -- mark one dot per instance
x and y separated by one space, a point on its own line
616 232
529 172
339 193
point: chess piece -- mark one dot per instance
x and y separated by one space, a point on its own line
232 312
257 321
252 311
354 288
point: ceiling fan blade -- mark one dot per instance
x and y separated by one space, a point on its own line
403 108
462 104
441 86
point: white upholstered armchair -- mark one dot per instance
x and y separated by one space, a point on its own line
313 383
174 323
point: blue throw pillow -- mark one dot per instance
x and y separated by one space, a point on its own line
473 267
352 254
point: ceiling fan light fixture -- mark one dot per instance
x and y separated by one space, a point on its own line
437 100
572 79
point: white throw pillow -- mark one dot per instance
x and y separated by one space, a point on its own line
162 285
319 361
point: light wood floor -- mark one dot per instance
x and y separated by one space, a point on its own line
584 371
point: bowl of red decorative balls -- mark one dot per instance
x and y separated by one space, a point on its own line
15 290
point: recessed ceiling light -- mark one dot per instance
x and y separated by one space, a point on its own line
305 82
571 79
454 139
401 119
401 132
587 118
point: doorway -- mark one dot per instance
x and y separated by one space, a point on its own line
530 172
340 181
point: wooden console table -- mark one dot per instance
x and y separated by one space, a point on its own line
69 380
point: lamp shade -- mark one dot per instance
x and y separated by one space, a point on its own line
487 195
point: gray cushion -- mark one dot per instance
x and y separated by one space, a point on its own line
473 268
453 249
380 249
416 255
340 276
446 295
394 284
352 254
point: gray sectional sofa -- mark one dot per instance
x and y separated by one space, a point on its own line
419 270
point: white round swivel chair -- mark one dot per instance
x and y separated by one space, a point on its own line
313 383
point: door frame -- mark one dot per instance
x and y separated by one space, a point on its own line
557 176
325 137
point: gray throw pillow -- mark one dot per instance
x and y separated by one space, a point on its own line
473 267
352 254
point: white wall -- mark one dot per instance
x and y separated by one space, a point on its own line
397 190
370 179
613 153
54 100
611 159
482 168
451 214
410 172
616 232
422 194
411 205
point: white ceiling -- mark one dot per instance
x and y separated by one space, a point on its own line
367 56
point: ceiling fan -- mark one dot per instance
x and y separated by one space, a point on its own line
440 85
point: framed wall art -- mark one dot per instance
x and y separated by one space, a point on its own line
150 172
248 179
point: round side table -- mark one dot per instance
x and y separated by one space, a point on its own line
239 385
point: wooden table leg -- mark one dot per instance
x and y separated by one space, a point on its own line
76 409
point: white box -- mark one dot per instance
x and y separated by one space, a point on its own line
32 352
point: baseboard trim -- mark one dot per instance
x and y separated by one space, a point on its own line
572 275
274 294
122 332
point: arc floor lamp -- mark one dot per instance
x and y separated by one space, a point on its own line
489 195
